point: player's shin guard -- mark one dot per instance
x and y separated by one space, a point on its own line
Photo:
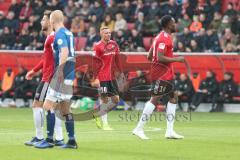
170 116
69 123
38 117
50 124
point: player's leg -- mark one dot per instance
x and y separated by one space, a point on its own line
102 111
49 105
58 132
112 103
170 117
146 114
38 113
64 108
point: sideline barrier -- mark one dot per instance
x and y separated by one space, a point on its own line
132 61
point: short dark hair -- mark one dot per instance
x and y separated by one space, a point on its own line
165 20
47 13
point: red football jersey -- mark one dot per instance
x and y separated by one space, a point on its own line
47 61
162 44
109 55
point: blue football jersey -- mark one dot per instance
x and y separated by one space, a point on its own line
65 38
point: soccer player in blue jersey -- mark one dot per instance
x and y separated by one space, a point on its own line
61 86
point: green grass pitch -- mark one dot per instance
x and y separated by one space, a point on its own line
208 136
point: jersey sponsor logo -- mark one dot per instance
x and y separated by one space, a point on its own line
161 46
60 41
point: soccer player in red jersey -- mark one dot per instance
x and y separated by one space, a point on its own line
47 66
108 51
161 55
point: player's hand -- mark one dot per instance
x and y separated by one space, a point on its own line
180 59
29 75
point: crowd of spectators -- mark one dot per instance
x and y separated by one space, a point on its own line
201 25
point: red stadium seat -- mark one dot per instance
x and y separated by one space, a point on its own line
77 47
131 26
147 42
82 42
4 6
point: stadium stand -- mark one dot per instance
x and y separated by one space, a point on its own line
209 29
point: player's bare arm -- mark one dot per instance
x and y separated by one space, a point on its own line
165 59
150 54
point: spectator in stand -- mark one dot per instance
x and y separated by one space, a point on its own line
170 8
183 23
94 22
207 90
153 10
92 38
185 37
136 41
202 19
180 47
121 39
120 24
201 39
127 10
37 41
228 38
78 26
217 20
83 10
188 8
211 7
70 10
140 7
10 22
230 48
41 7
212 42
151 27
2 20
236 25
6 84
139 22
26 11
225 24
196 25
215 6
108 22
230 11
112 8
15 7
7 39
98 10
227 90
54 5
23 40
194 47
18 87
33 24
184 90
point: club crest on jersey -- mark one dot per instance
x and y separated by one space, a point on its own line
161 46
59 41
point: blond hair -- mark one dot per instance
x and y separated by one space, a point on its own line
57 16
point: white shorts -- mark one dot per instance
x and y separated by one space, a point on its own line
56 95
